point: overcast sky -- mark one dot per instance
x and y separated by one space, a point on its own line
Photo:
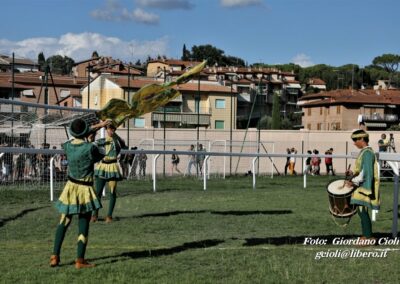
306 32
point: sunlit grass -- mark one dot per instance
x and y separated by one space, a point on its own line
229 233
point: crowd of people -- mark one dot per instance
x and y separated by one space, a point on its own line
27 166
313 162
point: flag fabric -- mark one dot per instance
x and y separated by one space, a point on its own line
147 99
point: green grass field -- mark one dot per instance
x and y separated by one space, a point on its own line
182 234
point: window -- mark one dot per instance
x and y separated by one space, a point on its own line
197 105
309 111
319 126
219 124
309 126
64 93
338 109
28 93
139 122
327 110
321 111
220 103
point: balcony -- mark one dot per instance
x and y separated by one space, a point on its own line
380 118
183 117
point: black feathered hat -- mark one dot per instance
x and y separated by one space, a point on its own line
79 128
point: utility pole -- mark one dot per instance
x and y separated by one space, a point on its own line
165 118
129 99
88 86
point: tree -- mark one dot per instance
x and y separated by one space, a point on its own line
138 63
265 122
60 65
389 62
276 115
95 54
185 53
41 61
214 56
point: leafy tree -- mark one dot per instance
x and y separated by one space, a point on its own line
60 64
389 62
286 123
276 116
41 61
265 122
138 63
214 56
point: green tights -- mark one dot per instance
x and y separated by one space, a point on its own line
366 224
112 184
83 228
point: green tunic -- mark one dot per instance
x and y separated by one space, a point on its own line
78 195
367 175
108 168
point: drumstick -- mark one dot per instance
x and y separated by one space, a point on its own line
346 178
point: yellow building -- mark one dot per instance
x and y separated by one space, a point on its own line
206 104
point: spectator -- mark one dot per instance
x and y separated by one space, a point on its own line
200 158
287 160
328 162
307 170
174 163
292 162
383 143
192 160
123 161
133 162
315 163
142 164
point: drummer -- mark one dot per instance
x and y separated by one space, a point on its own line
366 180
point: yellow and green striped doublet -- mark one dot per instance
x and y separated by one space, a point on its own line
108 168
366 167
78 195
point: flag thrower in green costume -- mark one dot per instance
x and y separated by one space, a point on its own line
147 99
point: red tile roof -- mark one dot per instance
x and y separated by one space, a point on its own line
34 78
316 81
137 84
348 96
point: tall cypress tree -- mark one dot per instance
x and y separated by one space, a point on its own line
185 53
276 117
41 61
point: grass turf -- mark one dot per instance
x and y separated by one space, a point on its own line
182 234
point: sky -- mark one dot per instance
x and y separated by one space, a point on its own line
305 32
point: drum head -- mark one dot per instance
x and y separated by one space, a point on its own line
338 187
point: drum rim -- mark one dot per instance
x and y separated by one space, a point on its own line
333 194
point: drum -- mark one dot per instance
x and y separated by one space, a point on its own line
339 199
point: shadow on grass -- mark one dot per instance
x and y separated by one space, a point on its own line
19 215
234 213
299 240
158 252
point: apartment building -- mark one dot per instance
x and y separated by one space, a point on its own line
204 105
344 109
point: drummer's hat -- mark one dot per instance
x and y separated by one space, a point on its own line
79 128
359 133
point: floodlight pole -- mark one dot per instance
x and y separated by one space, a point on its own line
164 125
12 97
